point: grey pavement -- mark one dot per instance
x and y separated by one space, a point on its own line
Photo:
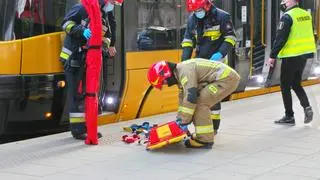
249 146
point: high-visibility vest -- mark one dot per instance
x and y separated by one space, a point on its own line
301 38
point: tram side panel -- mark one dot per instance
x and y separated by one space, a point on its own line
31 83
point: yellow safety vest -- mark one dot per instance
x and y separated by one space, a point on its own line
301 38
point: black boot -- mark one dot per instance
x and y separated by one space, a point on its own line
216 125
79 136
308 115
99 135
84 136
286 120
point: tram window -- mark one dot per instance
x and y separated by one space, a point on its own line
150 25
6 19
38 17
183 20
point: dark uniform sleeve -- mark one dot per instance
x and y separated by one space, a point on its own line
282 35
187 43
227 31
113 25
72 21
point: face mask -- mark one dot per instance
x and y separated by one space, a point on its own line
108 7
283 7
200 14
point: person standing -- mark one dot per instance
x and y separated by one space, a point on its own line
294 43
77 27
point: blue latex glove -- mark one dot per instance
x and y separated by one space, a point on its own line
87 33
183 127
216 56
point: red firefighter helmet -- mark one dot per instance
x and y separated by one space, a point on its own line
193 5
157 73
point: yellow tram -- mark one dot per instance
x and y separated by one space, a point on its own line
32 88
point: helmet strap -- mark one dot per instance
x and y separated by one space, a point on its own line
172 79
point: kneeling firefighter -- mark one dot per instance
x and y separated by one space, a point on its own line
77 28
202 84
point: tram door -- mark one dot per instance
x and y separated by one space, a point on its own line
273 14
311 6
113 70
255 33
239 57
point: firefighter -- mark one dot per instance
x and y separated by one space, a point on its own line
77 28
212 30
202 83
294 43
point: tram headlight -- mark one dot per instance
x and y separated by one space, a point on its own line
48 115
317 70
260 79
110 100
61 84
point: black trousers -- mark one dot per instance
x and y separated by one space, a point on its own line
73 77
291 74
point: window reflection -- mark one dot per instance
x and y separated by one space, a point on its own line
36 17
151 24
27 18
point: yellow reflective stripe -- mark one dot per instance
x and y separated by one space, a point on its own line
215 116
211 33
225 73
184 81
77 120
230 40
214 35
69 27
204 129
213 89
186 110
64 55
186 44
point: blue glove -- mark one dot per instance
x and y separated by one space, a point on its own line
87 33
183 127
216 56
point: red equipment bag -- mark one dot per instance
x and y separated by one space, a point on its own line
165 134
